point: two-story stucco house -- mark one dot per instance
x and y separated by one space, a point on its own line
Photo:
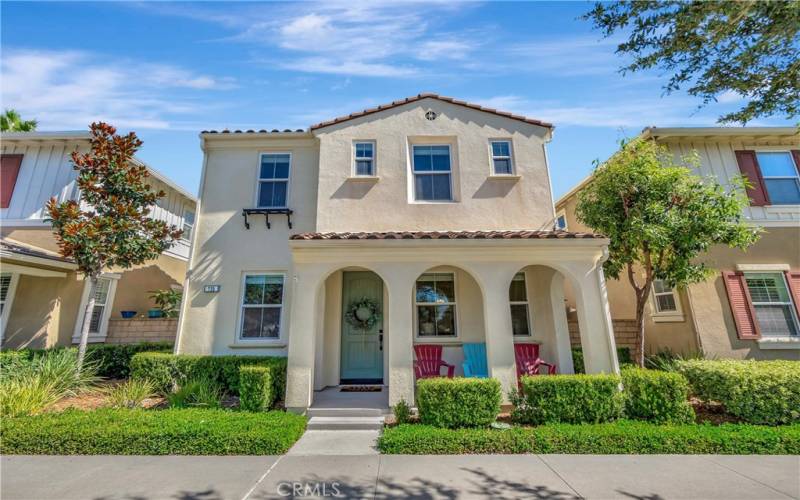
750 309
43 297
436 212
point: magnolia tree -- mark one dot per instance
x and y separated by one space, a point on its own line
110 226
660 218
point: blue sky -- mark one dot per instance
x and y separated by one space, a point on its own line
169 70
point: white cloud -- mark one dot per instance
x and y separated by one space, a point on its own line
70 89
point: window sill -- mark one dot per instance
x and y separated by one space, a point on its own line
363 178
505 177
260 344
668 318
779 343
443 341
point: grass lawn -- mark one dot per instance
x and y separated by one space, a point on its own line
151 432
621 437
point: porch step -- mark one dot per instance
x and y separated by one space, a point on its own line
345 423
347 412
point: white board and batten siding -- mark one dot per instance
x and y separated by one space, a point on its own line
718 161
46 171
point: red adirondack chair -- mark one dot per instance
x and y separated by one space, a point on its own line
528 361
429 362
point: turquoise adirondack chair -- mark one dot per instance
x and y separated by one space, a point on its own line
475 360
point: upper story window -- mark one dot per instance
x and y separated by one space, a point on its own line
188 224
432 173
435 301
775 312
518 298
502 163
561 221
273 180
364 159
781 177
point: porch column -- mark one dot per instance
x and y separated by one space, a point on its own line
594 319
399 280
550 317
302 336
495 279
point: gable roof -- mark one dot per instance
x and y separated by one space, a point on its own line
427 95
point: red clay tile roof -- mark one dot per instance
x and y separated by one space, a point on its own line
446 235
418 97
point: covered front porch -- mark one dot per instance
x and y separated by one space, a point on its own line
362 302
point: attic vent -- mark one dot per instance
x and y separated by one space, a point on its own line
430 115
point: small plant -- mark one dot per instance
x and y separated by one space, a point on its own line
668 360
402 412
130 394
167 301
196 393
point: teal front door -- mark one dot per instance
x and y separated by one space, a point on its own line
362 338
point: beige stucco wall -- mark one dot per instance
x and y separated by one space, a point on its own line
136 283
481 202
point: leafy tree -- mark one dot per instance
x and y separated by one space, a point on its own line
660 218
110 225
11 121
746 47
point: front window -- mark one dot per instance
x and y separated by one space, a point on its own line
365 159
518 297
5 286
100 303
501 158
781 177
273 180
432 170
665 300
188 225
773 304
436 305
262 302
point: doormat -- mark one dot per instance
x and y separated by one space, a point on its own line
361 388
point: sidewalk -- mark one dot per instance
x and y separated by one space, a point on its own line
646 477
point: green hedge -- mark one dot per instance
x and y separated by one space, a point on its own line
113 360
611 438
151 432
656 396
168 370
759 392
570 399
623 355
458 402
255 388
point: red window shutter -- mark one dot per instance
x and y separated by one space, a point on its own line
796 155
793 279
9 169
741 306
748 165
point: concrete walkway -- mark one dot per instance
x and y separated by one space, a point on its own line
297 475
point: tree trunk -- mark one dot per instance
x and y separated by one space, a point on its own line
87 321
639 355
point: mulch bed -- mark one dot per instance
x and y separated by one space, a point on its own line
709 412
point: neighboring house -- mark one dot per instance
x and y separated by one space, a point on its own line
437 212
43 297
750 308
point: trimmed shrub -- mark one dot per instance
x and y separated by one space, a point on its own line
656 396
169 370
114 360
571 399
610 438
151 432
623 355
255 388
458 402
759 392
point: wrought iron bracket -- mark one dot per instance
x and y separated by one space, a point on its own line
266 213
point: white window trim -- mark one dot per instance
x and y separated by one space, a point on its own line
526 303
238 340
258 178
8 304
103 331
559 214
666 316
184 223
354 171
791 304
510 158
414 173
796 169
436 339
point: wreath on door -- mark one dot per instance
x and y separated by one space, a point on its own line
363 314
